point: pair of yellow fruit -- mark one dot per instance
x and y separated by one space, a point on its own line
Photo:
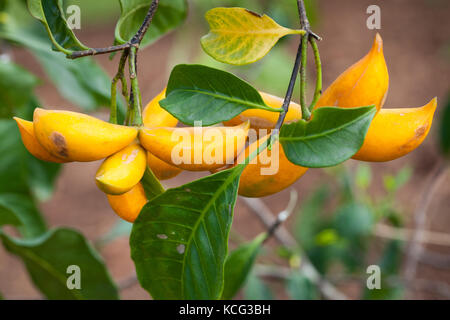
62 136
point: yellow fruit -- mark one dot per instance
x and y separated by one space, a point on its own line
265 176
263 119
155 116
75 136
122 171
394 133
129 205
195 149
161 169
26 129
364 83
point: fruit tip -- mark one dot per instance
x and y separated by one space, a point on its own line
377 43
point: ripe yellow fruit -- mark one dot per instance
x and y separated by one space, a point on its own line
195 148
256 183
129 205
26 129
263 119
364 83
120 172
75 136
155 116
394 133
161 169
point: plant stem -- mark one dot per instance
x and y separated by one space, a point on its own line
318 90
306 114
304 20
119 76
134 42
135 114
290 90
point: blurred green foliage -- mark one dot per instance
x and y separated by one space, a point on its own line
335 228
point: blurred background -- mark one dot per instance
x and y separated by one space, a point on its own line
395 215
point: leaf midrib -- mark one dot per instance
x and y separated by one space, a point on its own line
252 105
201 218
272 31
326 133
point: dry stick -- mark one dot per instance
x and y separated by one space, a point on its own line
405 234
285 238
420 217
134 42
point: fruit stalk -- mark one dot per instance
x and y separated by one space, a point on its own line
135 110
306 114
318 62
119 76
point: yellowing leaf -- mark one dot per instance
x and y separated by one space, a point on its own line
239 36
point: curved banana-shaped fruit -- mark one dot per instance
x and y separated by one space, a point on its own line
195 148
263 119
75 136
364 83
129 205
394 133
155 116
26 129
120 172
161 169
269 173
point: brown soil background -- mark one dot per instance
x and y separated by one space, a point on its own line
417 50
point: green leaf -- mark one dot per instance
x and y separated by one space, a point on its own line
48 257
239 36
16 88
170 14
179 241
51 14
152 186
331 137
256 289
299 287
445 129
197 92
21 211
238 266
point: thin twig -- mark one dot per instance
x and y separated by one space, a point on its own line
97 51
260 209
290 89
420 217
304 20
134 42
283 215
405 234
